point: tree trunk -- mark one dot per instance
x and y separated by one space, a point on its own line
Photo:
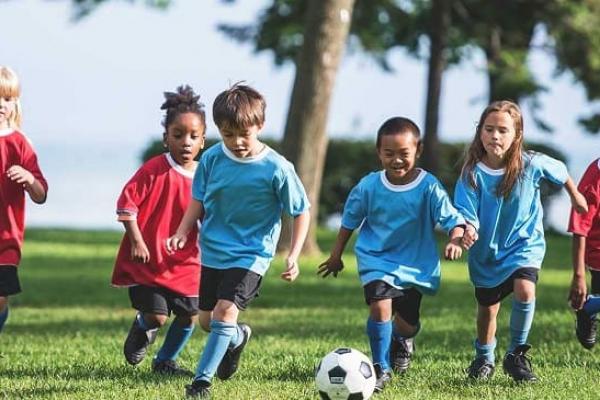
437 65
305 139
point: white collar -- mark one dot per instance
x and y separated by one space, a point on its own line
490 171
179 168
6 131
263 153
405 187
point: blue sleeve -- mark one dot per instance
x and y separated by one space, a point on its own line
442 210
290 191
354 209
466 202
199 182
550 169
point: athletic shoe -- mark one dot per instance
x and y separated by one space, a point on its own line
199 389
585 329
481 368
169 367
401 352
231 360
137 342
381 377
518 366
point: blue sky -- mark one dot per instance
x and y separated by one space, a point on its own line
92 90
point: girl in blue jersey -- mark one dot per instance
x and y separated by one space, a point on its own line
396 210
499 195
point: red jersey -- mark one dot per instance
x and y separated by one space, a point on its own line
588 224
15 149
157 197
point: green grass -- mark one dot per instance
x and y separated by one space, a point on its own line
65 333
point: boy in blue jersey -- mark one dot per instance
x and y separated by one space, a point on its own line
397 210
499 195
240 190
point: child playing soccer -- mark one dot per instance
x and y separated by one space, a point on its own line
20 174
157 195
498 193
396 209
586 251
240 189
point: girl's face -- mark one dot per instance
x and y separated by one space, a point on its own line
185 138
497 135
242 142
7 109
398 154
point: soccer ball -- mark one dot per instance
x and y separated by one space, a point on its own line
345 374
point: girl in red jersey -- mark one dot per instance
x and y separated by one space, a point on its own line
19 173
150 206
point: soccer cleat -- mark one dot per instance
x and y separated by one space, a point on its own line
169 367
381 377
585 329
481 368
231 360
401 352
137 342
518 366
199 389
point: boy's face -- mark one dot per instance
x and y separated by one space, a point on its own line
242 143
185 138
7 109
398 154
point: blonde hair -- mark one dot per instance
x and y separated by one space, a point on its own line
514 156
10 88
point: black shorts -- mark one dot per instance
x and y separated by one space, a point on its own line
238 285
158 300
595 281
405 302
491 296
9 280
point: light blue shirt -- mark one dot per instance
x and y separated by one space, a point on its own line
396 242
243 199
511 233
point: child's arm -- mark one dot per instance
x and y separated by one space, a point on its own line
194 212
299 232
334 264
20 175
453 248
577 199
139 250
578 292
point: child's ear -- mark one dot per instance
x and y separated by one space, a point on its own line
165 140
419 148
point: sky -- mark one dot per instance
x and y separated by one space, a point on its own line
92 91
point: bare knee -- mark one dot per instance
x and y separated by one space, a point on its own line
155 320
186 320
204 318
225 311
524 290
381 310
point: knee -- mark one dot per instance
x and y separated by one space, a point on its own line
156 320
380 311
225 311
524 291
186 320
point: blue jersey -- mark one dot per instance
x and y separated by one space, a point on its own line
511 233
243 199
396 242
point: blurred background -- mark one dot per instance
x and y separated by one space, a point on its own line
93 73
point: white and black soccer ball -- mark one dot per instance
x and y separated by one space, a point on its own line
345 374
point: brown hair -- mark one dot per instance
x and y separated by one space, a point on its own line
514 155
239 107
10 88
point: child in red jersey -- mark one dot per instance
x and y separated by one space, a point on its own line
586 251
150 206
19 173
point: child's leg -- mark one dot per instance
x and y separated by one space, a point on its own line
523 309
178 335
406 308
485 344
592 304
9 285
204 318
379 331
3 311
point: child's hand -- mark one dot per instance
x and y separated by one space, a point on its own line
578 293
140 253
579 203
18 174
470 237
292 271
176 242
332 265
453 249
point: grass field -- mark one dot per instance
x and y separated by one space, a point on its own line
65 334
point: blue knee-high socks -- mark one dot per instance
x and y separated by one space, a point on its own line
3 317
592 304
176 339
220 337
380 338
521 319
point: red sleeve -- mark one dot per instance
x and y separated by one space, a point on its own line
580 224
134 193
30 163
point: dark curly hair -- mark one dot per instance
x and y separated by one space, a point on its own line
184 100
